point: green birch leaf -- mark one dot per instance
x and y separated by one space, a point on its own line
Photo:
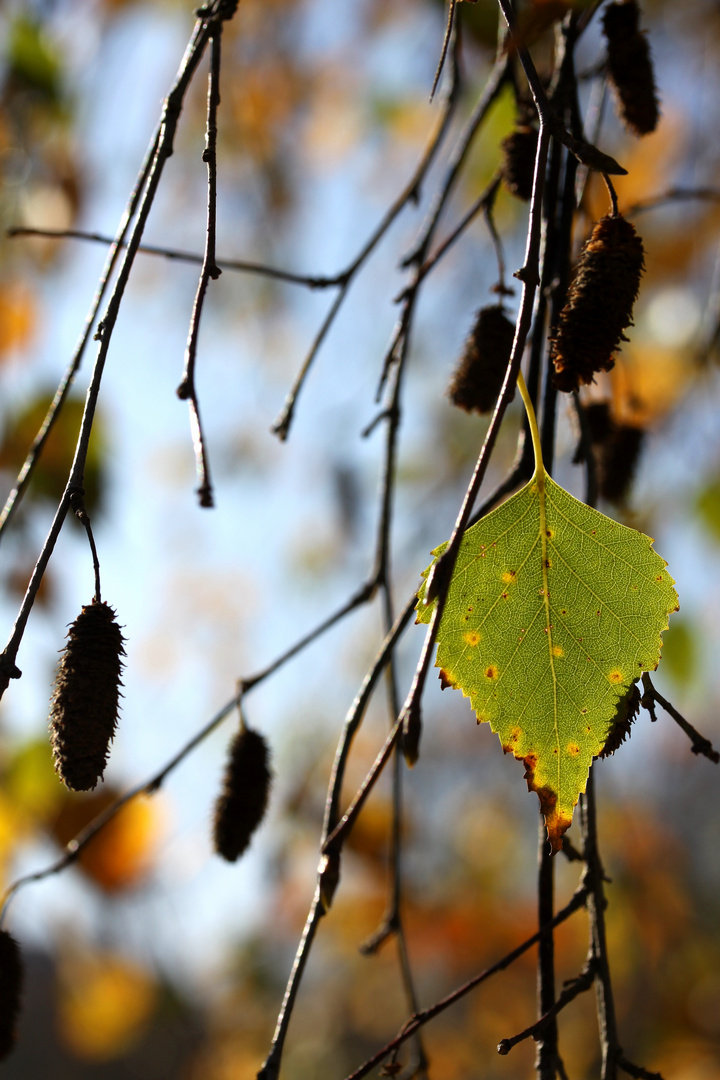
553 612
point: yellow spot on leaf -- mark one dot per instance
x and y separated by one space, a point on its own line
491 672
616 676
573 749
558 650
472 637
509 576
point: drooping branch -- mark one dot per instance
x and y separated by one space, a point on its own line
579 985
416 1022
187 390
700 745
155 782
163 148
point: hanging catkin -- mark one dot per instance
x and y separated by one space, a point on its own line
630 68
84 705
599 304
478 377
617 461
244 797
11 980
518 161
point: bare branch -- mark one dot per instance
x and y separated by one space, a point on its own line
416 1022
579 985
700 745
312 281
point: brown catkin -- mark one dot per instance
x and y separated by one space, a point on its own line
599 303
84 705
244 797
617 461
11 981
628 708
630 68
518 161
478 377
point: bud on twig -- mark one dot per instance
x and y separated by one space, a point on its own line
11 980
84 705
630 68
599 304
479 375
243 800
411 732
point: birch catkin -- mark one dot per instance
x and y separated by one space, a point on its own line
630 68
479 375
518 161
599 304
243 800
84 705
11 980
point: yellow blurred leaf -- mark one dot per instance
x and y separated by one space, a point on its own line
647 382
30 780
105 1004
18 316
53 467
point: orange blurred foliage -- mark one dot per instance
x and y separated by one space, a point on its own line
120 856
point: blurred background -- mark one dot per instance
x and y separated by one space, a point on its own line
151 957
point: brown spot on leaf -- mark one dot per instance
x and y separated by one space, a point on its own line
445 678
505 596
491 672
557 821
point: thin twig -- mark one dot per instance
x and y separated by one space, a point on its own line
392 922
637 1070
78 505
700 745
547 1041
187 390
410 193
163 150
673 195
312 281
482 203
444 49
579 985
328 868
416 1022
15 497
594 878
439 578
149 787
584 151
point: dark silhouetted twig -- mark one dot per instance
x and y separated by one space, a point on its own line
700 745
420 1019
579 985
187 390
